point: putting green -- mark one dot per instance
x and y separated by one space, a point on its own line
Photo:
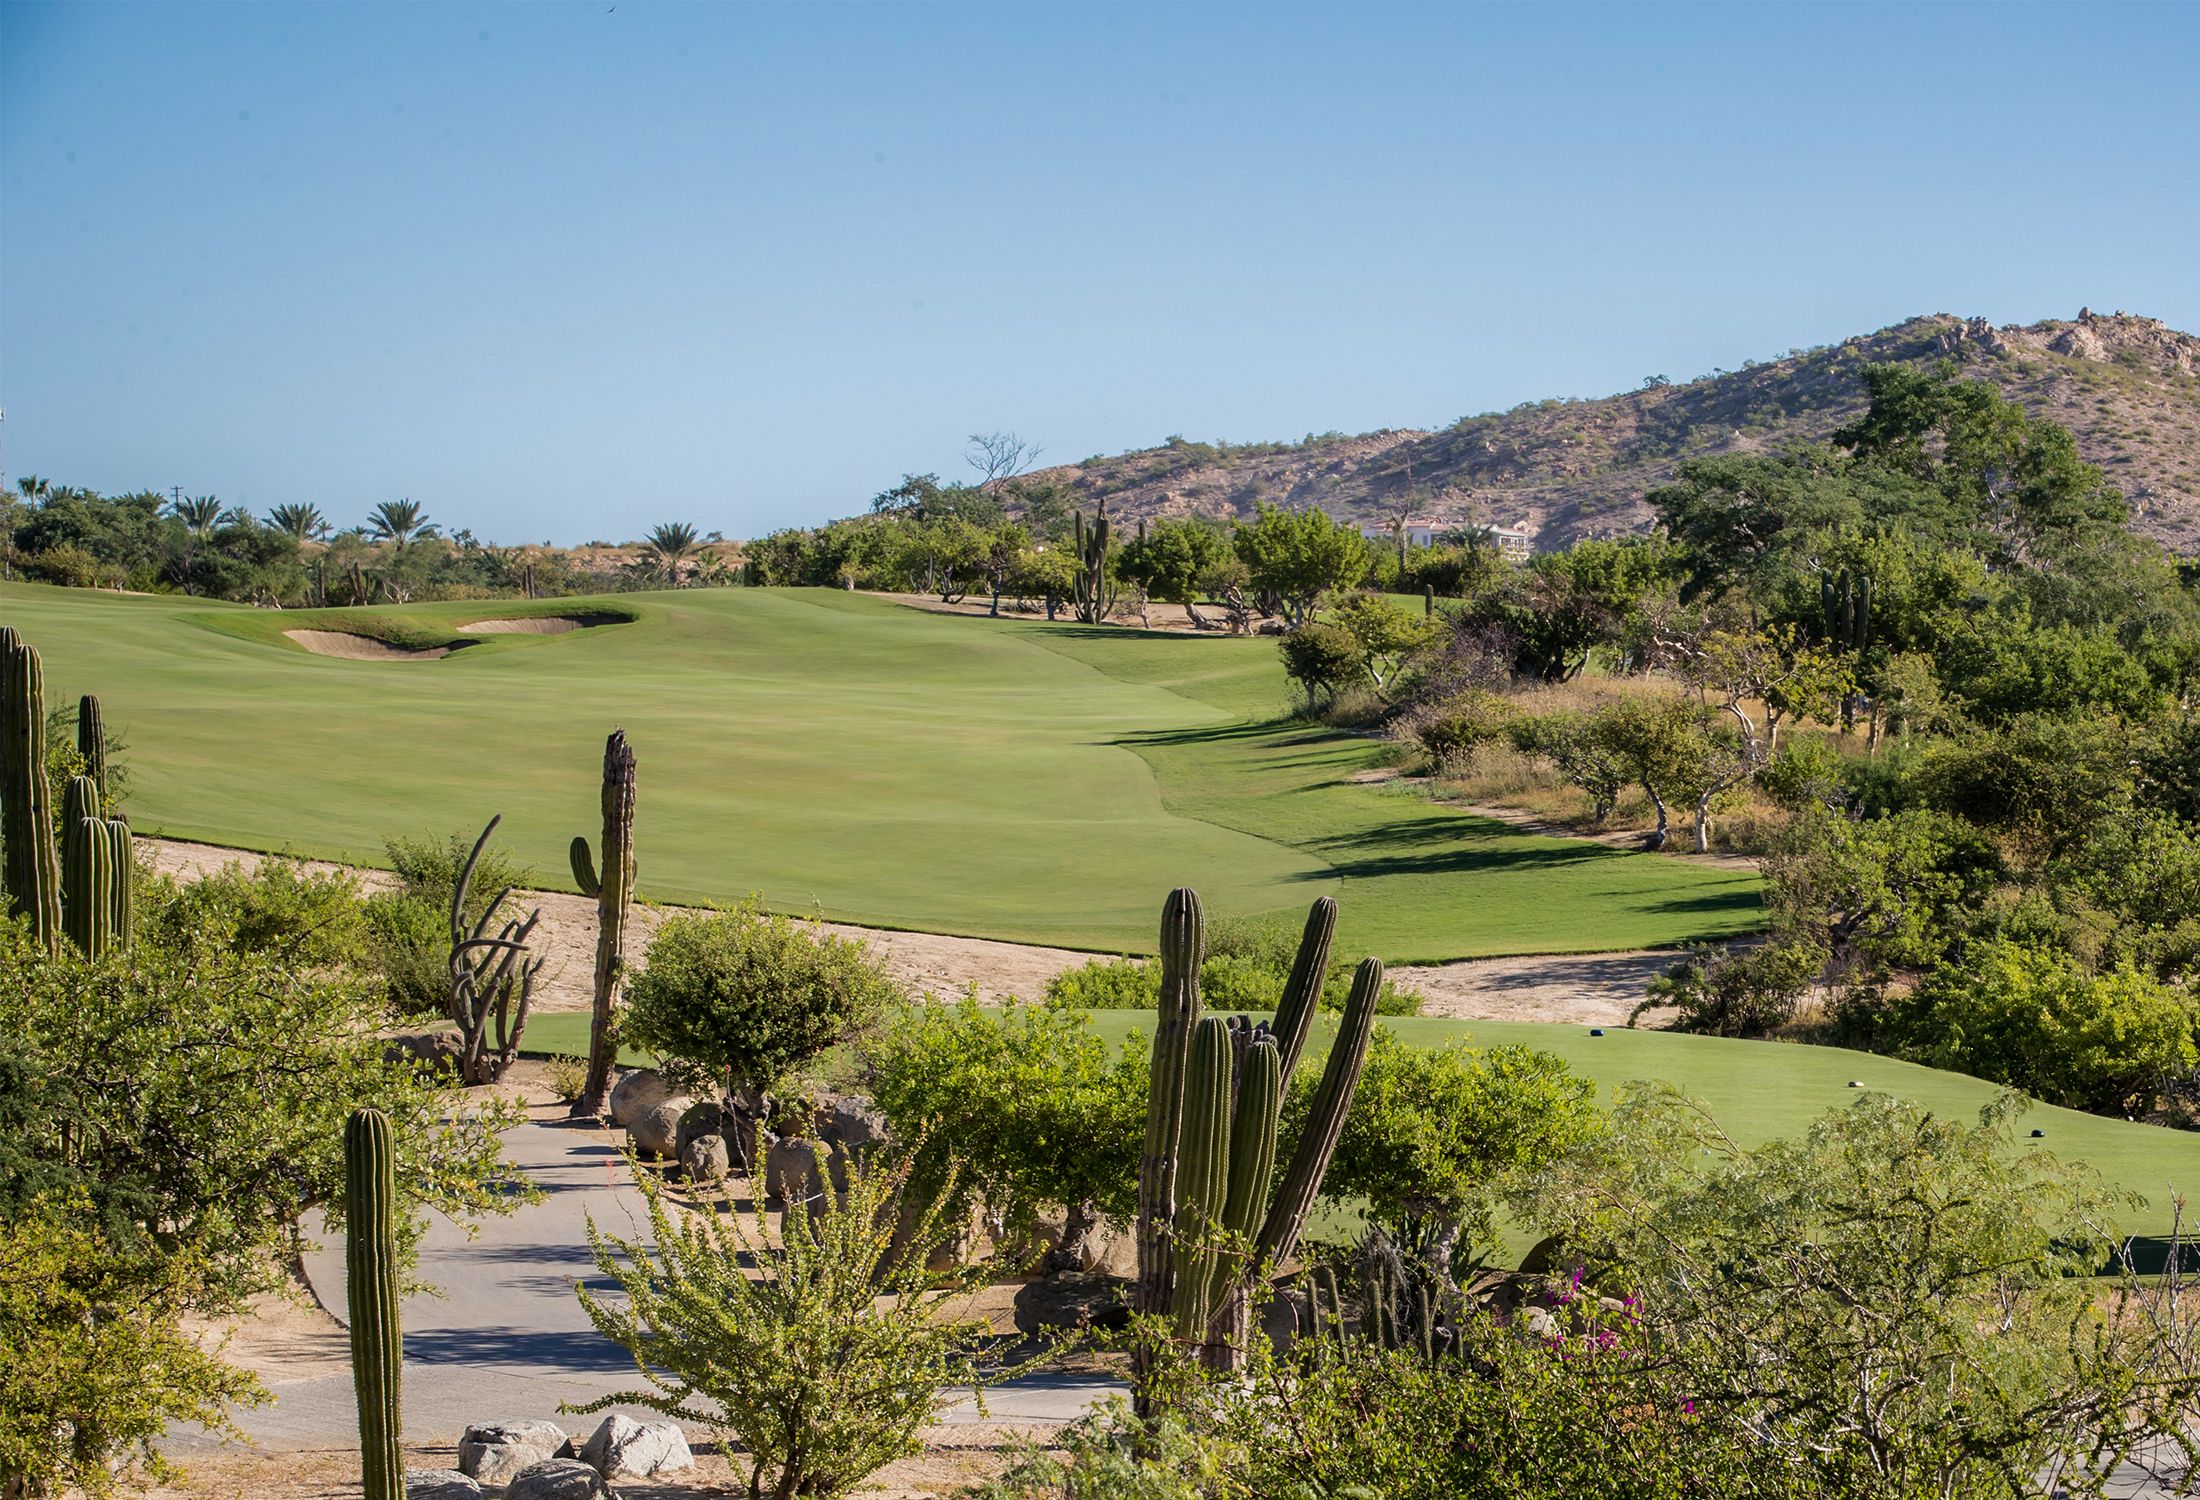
836 754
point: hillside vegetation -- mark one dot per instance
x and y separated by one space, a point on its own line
2127 388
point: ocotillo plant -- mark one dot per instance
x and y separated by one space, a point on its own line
492 975
1204 1182
33 868
370 1270
91 743
613 888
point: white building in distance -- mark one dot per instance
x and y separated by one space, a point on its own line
1513 542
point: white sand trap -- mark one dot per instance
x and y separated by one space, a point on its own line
363 647
540 624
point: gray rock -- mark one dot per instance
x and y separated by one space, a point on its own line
490 1453
852 1125
790 1170
656 1130
699 1119
622 1448
1073 1302
437 1050
637 1091
439 1484
705 1159
558 1479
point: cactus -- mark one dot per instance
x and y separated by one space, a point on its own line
613 888
1428 601
1845 606
96 871
370 1268
33 868
1092 595
492 976
91 743
1204 1184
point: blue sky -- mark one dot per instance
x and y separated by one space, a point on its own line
560 272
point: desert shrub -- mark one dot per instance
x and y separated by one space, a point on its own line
1436 1135
1322 659
1106 984
1462 725
742 996
821 1369
1806 773
279 908
428 870
1248 963
2036 1020
1739 990
408 945
1026 1101
567 1076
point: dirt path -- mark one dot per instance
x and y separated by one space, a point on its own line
1594 989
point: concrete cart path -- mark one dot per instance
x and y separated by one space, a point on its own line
507 1337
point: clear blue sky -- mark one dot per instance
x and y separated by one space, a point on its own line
560 272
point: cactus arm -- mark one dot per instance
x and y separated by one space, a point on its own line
1302 991
88 879
91 742
1203 1173
1279 1236
125 908
1253 1126
614 892
1183 948
370 1267
584 866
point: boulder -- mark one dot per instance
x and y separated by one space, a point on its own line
637 1091
790 1170
699 1119
1073 1302
656 1130
705 1159
558 1479
437 1050
439 1484
622 1448
490 1453
853 1125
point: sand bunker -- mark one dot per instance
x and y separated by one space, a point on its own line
363 647
540 624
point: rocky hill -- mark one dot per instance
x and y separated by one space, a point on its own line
2127 387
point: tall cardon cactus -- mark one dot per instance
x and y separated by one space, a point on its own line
1092 593
370 1271
96 872
1210 1216
613 888
32 872
91 743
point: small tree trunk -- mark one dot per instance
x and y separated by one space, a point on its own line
1703 822
1657 837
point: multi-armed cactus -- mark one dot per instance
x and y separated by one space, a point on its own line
1093 594
613 888
1845 600
1208 1222
96 871
91 743
371 1290
492 975
33 868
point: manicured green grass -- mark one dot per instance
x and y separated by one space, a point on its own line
837 754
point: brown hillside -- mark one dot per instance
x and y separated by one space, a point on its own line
2127 387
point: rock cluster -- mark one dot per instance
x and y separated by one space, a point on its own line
532 1460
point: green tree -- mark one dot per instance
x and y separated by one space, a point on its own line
298 521
1389 639
668 549
1171 560
398 522
1296 557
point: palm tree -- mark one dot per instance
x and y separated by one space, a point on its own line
34 487
398 521
199 514
298 520
669 547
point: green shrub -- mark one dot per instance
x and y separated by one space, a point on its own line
408 944
1106 984
1438 1134
280 909
428 869
1462 725
1025 1099
1739 990
1322 659
1248 962
743 997
2036 1020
